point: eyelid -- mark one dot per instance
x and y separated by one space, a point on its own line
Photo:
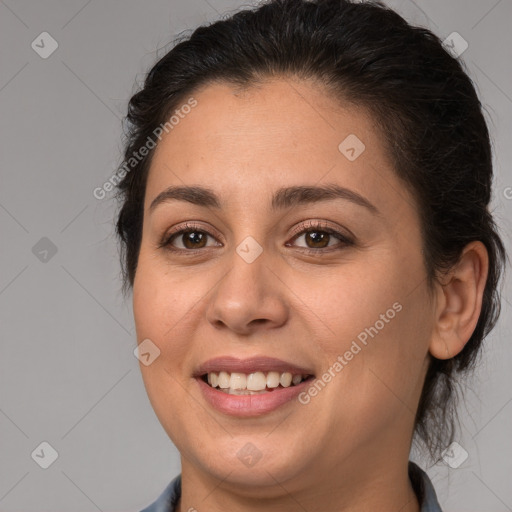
321 225
180 229
187 226
301 229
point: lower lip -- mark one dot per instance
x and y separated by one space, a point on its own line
250 405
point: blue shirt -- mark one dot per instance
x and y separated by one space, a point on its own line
421 483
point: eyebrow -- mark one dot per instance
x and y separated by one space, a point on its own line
283 198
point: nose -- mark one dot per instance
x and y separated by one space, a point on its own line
249 297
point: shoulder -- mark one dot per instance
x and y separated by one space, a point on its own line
421 483
166 502
424 489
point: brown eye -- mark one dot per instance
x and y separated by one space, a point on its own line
318 239
187 239
191 239
318 236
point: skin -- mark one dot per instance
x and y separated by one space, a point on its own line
348 448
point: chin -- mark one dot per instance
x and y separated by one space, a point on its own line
240 463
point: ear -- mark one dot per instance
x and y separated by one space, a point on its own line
459 303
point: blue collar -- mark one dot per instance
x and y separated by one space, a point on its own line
421 483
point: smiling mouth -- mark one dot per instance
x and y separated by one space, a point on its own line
256 383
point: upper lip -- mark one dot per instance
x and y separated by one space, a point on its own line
252 364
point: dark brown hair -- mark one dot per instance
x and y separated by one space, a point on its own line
417 92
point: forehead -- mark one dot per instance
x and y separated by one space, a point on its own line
289 115
283 132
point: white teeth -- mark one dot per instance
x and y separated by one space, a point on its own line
243 392
238 381
285 380
272 379
253 383
223 381
296 379
256 381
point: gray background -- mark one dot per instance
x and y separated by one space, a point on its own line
68 375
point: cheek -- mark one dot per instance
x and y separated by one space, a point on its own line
163 307
346 300
161 300
168 306
160 310
378 323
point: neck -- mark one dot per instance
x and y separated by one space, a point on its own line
378 487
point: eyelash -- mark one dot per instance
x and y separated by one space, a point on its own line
309 226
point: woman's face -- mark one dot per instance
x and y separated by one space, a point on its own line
256 277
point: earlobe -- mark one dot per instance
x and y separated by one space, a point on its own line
460 302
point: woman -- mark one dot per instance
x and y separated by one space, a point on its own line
304 225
